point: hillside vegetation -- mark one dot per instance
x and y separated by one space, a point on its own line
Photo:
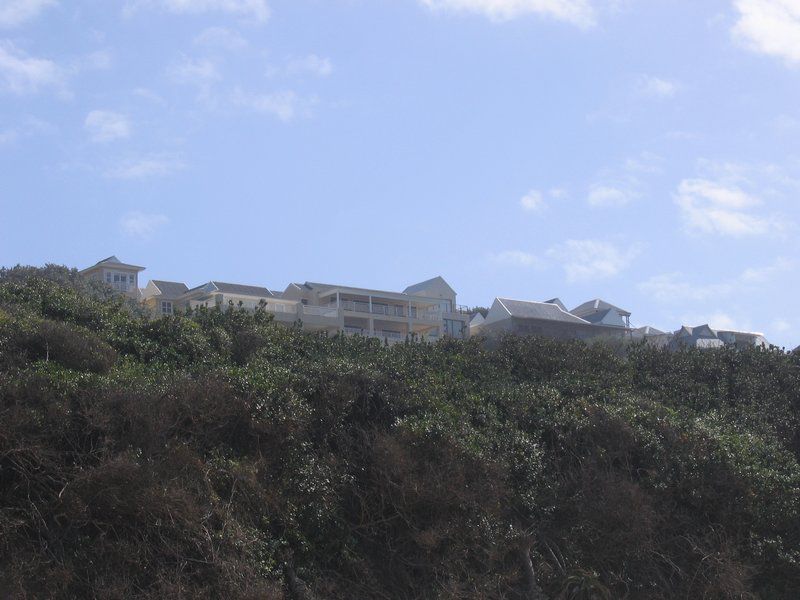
219 455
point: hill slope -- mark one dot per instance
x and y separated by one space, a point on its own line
219 455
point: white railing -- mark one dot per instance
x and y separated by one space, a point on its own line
330 312
429 316
391 310
281 308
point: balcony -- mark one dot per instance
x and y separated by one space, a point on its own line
329 312
390 310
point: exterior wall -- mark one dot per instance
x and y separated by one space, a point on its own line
111 271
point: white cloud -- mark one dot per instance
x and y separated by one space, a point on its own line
672 287
256 10
8 136
22 74
199 72
577 12
220 37
780 266
587 260
312 64
781 325
718 208
606 196
516 258
95 61
149 95
16 12
716 320
285 105
144 167
143 226
105 125
770 27
658 87
533 201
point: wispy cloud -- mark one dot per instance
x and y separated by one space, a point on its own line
517 258
533 201
589 260
17 12
577 12
220 37
23 74
675 288
657 87
609 196
311 64
723 209
25 127
106 125
141 225
285 105
255 10
770 27
199 72
144 167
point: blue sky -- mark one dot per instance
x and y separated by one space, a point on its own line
642 151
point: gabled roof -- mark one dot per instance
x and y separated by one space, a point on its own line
647 330
557 302
477 319
170 289
597 305
701 331
234 288
112 261
544 311
427 284
609 317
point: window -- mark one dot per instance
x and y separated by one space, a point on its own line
454 328
166 307
446 306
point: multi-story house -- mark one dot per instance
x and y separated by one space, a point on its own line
551 319
426 310
703 336
117 274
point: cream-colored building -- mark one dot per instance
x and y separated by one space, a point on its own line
425 311
117 274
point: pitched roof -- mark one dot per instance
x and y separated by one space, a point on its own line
424 285
170 289
595 306
235 288
647 330
477 319
545 311
605 317
557 302
243 290
112 260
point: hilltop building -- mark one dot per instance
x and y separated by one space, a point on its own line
551 319
425 310
117 274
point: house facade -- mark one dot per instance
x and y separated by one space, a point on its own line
425 311
551 319
120 276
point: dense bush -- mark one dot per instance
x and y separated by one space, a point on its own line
219 455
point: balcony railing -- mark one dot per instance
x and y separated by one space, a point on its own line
391 310
330 312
